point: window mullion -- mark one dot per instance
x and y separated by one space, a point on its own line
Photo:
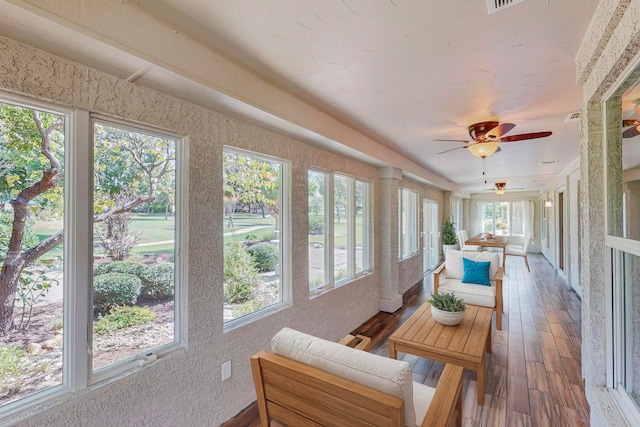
367 204
329 227
351 227
78 250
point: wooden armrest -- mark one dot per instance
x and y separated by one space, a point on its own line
440 269
359 342
436 276
499 274
447 398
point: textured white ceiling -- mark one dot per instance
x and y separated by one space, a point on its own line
403 73
409 72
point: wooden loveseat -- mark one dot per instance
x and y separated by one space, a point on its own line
453 270
308 381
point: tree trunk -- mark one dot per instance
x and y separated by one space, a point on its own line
8 285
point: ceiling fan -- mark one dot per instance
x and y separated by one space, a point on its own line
501 188
486 137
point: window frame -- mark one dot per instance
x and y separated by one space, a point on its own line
367 227
408 211
284 243
180 262
329 225
78 263
617 248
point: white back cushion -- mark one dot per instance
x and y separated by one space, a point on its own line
382 373
455 270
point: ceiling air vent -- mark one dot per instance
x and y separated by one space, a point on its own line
572 117
494 6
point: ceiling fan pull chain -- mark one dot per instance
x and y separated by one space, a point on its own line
484 169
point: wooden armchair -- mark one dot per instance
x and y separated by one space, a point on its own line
334 385
484 296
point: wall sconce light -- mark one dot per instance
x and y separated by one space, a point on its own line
548 203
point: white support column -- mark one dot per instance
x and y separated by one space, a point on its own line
390 297
446 205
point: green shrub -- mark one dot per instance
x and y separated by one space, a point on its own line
245 308
265 256
316 224
240 275
157 280
124 267
10 357
115 289
123 317
448 233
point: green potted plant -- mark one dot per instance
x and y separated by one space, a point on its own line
449 238
447 308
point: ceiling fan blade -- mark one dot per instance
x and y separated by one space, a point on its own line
497 150
630 122
466 141
523 136
500 130
452 149
631 132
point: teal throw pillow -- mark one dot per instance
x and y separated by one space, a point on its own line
476 272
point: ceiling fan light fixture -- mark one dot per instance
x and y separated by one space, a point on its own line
501 188
484 149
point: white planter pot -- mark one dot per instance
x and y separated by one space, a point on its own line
448 318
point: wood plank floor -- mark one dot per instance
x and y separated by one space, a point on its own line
534 371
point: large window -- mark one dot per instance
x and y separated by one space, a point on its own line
339 229
623 248
408 227
134 241
254 191
32 214
625 346
504 218
71 314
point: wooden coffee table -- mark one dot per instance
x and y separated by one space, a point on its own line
465 344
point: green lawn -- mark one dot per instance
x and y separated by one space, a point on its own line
155 228
340 233
149 228
243 226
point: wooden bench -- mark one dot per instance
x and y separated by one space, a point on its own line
297 394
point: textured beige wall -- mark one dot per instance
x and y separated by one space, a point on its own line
185 389
609 48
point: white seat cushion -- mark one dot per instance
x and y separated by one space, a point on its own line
422 397
471 248
484 296
381 373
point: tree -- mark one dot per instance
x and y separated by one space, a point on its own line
251 181
135 161
34 175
